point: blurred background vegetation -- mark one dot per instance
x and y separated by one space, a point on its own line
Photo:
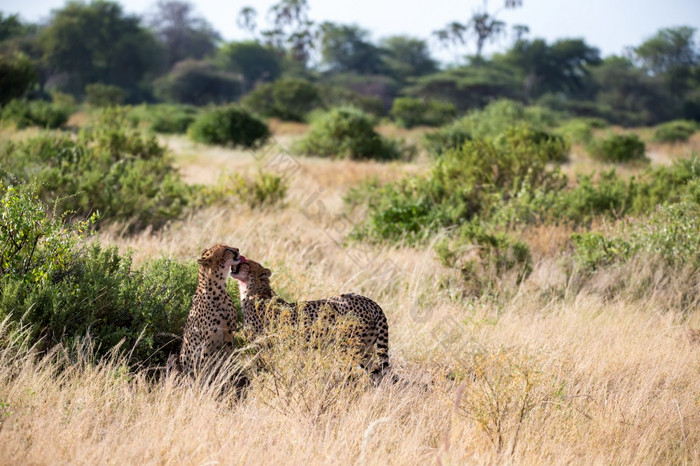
98 54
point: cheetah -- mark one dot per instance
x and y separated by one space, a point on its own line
212 317
257 297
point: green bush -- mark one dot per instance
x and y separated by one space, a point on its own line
675 131
618 148
229 126
265 189
579 131
410 112
614 196
287 99
446 138
164 118
610 195
120 172
347 132
483 257
337 96
65 289
671 232
25 113
666 184
104 95
488 123
550 147
473 180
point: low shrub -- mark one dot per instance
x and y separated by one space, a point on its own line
473 180
578 131
484 257
124 174
671 232
409 112
104 95
229 126
65 289
287 99
618 148
164 118
549 147
25 113
675 131
610 195
337 96
446 138
488 123
265 189
666 184
347 132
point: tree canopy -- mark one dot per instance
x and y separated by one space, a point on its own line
97 42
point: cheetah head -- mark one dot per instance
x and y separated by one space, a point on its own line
219 259
252 278
250 271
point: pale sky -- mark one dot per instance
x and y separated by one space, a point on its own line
610 25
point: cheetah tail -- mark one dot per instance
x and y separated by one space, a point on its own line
382 343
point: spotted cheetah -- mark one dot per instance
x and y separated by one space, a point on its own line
212 317
257 296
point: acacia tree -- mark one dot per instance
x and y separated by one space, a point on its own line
182 34
290 28
247 19
252 60
560 67
672 55
347 49
483 27
406 57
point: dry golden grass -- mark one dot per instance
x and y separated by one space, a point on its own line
569 377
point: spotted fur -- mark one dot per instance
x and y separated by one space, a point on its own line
212 317
257 298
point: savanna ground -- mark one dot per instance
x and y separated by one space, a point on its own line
554 373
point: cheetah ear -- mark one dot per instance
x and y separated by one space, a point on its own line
202 260
266 273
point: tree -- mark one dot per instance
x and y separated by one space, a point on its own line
287 99
197 83
629 96
182 34
11 26
469 87
97 42
292 29
17 77
519 32
485 28
673 55
406 57
482 26
561 67
669 49
252 60
346 49
247 19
